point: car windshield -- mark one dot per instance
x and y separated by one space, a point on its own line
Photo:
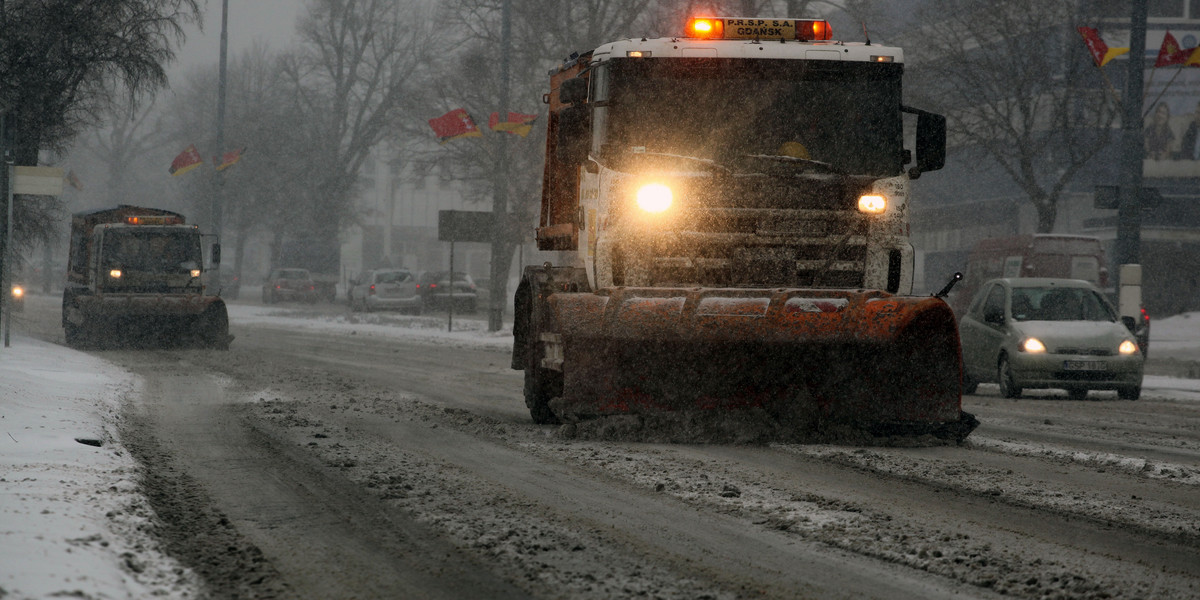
1059 304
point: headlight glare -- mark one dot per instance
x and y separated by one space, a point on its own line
872 204
654 197
1127 347
1033 345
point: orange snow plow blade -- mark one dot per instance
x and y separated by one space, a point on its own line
810 358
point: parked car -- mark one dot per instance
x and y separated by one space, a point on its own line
385 289
289 285
1049 333
435 290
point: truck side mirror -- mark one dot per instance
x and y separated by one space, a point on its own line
216 255
574 127
931 141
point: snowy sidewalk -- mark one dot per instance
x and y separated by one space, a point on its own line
72 522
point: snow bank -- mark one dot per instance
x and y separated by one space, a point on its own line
72 522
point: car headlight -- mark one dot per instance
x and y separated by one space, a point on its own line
18 292
1127 347
1033 345
872 204
195 272
115 273
654 197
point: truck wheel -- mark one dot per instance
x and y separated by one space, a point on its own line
73 334
541 386
212 328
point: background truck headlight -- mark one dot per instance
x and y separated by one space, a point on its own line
654 197
872 204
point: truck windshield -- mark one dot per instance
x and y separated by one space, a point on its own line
152 250
845 114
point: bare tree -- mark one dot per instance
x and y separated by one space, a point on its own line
261 188
57 61
1018 88
351 80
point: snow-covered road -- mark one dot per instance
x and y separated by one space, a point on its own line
74 522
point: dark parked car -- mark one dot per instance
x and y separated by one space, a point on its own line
289 285
436 291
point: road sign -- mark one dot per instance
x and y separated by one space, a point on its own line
38 181
465 226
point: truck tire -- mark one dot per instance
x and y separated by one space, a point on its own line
212 328
542 386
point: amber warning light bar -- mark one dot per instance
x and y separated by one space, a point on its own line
720 28
154 220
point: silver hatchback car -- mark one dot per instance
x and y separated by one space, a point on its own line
1048 333
384 289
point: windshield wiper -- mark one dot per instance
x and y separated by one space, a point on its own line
828 167
708 162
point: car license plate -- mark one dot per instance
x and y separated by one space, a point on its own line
1084 365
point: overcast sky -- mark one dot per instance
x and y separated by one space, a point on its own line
272 21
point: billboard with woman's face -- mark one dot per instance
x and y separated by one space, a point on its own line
1172 125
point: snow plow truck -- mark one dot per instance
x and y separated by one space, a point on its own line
136 274
731 207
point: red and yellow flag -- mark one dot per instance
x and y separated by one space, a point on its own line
1170 53
517 123
453 125
229 159
186 161
1194 59
1100 51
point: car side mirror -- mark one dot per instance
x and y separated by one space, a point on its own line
1130 323
994 317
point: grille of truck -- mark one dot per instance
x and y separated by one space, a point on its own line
757 247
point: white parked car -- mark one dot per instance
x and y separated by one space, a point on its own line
385 289
1049 333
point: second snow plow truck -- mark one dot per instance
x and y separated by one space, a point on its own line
139 273
732 207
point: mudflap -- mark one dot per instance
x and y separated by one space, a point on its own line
813 360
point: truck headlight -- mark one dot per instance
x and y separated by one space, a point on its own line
1127 347
872 204
195 272
115 273
654 197
18 292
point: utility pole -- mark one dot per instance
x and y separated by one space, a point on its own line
219 188
500 220
1129 211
